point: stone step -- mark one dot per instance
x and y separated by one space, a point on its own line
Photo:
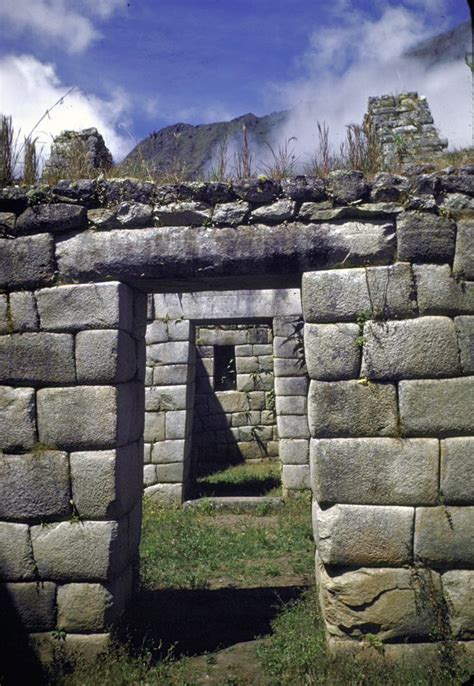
237 503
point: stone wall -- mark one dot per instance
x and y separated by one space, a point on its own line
387 284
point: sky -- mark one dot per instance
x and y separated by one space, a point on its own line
139 65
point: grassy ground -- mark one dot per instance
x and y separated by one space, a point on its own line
243 479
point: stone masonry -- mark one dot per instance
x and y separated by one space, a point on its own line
384 269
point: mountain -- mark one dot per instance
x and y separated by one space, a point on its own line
192 151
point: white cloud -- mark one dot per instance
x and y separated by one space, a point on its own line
30 87
55 21
360 57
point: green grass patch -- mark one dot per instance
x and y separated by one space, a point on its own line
198 548
243 479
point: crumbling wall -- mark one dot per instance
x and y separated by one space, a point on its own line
387 283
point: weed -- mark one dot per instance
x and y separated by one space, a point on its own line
283 162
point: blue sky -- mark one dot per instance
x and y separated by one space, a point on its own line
139 65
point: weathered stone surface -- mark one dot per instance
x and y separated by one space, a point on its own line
289 326
183 253
389 188
257 191
80 551
389 602
424 407
425 238
288 346
375 471
167 398
217 336
294 451
457 474
17 418
363 534
230 213
331 351
90 416
295 477
106 483
169 451
458 589
107 356
463 260
27 262
34 485
37 358
172 375
444 536
5 323
51 218
176 424
170 472
313 211
439 293
291 404
23 314
182 214
180 330
176 352
304 188
347 186
283 366
149 475
392 291
232 401
86 306
410 349
296 385
349 408
127 214
277 212
465 332
7 223
156 331
16 560
92 607
82 648
246 365
292 426
339 295
34 603
167 494
154 427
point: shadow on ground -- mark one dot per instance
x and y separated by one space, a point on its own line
250 487
192 622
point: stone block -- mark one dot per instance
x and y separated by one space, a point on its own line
90 416
154 427
17 418
246 365
331 351
375 471
392 291
106 483
261 348
6 325
92 607
156 332
169 451
80 551
34 486
465 333
240 351
287 346
347 186
149 475
279 211
176 424
16 560
251 382
180 330
86 306
107 356
79 648
148 376
463 266
251 417
7 223
230 213
294 451
171 375
364 534
458 589
126 214
23 314
457 474
175 352
52 218
27 262
34 604
289 367
167 398
147 453
438 407
390 601
268 417
250 450
439 293
340 295
292 426
350 408
37 358
232 401
265 363
297 385
216 336
256 400
410 349
182 214
295 477
288 326
444 536
170 472
165 494
424 237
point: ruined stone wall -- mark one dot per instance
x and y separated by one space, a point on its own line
387 294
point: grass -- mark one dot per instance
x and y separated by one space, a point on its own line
243 479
